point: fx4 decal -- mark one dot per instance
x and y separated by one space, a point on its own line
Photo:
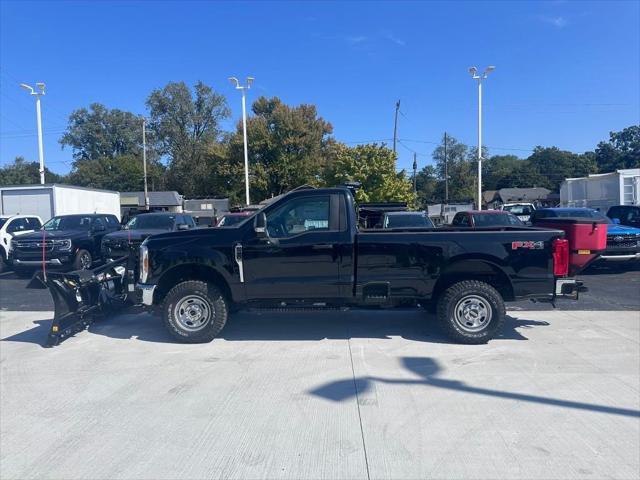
527 244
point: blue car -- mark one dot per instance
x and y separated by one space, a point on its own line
623 242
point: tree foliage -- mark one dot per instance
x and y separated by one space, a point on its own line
98 132
288 146
374 166
123 173
22 172
184 125
621 151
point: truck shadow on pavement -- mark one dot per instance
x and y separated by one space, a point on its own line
427 370
410 324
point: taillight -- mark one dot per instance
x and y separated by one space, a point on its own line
560 257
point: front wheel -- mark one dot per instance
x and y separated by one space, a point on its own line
195 311
83 260
471 312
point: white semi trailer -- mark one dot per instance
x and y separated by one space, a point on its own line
603 190
49 200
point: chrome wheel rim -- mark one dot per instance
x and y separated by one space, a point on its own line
192 313
473 313
85 261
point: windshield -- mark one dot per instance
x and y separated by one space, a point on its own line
69 222
3 221
232 220
415 220
518 209
495 220
160 222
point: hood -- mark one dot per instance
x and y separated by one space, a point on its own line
60 234
134 234
613 229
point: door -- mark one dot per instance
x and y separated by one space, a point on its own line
300 259
36 201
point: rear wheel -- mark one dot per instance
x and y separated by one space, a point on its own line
195 311
3 262
471 312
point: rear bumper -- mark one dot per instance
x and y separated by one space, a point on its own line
568 288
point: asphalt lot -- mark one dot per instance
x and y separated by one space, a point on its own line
339 395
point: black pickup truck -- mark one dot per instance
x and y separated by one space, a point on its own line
306 250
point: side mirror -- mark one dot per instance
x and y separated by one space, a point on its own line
260 226
183 226
616 221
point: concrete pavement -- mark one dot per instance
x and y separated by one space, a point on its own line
361 394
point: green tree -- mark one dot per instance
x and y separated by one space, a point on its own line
123 173
427 186
288 146
98 132
506 171
374 166
185 125
461 169
21 172
621 151
554 165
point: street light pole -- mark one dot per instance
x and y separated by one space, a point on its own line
474 74
244 89
40 86
144 162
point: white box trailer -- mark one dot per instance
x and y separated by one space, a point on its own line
50 200
603 190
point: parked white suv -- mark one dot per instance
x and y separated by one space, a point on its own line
13 226
521 210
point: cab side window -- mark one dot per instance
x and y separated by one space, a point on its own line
461 220
111 221
34 223
18 225
298 216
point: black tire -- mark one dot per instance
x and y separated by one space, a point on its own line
83 260
181 317
3 262
462 308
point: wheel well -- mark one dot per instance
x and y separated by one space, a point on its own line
475 270
190 271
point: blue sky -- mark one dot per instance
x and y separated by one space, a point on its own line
567 72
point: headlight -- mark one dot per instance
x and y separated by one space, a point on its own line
62 244
144 264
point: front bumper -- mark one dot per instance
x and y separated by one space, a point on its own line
147 293
620 257
36 263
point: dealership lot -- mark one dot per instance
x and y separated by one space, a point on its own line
356 394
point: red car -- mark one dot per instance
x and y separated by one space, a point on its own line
233 218
486 218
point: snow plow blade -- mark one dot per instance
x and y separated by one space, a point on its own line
81 296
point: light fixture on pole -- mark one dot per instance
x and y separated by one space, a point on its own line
244 89
40 91
474 74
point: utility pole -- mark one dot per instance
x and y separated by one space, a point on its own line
395 126
446 171
415 169
474 74
144 163
244 89
40 86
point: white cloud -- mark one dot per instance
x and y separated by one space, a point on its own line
558 22
398 41
355 40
